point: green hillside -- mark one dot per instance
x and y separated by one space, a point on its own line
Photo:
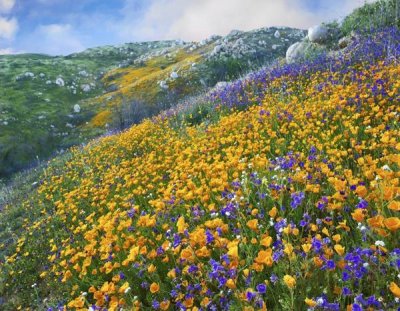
38 92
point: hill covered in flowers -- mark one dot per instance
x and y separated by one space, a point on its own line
284 197
50 103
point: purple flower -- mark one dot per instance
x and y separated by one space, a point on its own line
250 296
209 237
274 278
193 269
261 288
297 199
177 240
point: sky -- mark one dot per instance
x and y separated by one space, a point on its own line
61 27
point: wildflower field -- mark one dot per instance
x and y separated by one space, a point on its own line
287 200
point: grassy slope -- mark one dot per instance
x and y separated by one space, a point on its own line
162 180
16 214
37 119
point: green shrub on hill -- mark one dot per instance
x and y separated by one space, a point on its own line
374 15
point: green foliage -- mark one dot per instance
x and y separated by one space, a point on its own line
374 15
226 69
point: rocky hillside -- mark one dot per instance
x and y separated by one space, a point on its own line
50 103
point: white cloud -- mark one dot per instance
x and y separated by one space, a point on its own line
197 19
55 39
8 28
6 5
7 51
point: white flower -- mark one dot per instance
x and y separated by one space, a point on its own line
127 290
271 222
84 294
33 285
365 264
379 243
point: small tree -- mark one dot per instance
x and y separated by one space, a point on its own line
129 112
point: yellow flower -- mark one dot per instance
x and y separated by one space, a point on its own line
181 225
151 268
164 305
339 249
395 289
376 221
233 251
358 215
306 247
272 213
154 288
394 205
253 224
123 288
264 257
267 241
310 302
392 223
231 284
187 254
290 281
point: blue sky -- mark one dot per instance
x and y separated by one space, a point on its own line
65 26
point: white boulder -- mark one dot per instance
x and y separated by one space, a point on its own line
77 108
163 85
60 82
85 88
174 75
296 51
83 73
318 34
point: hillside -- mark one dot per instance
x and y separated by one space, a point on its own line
48 104
276 191
286 199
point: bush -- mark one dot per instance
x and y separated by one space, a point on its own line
375 15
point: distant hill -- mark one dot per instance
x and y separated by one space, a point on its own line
49 103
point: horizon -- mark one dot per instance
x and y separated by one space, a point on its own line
54 27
